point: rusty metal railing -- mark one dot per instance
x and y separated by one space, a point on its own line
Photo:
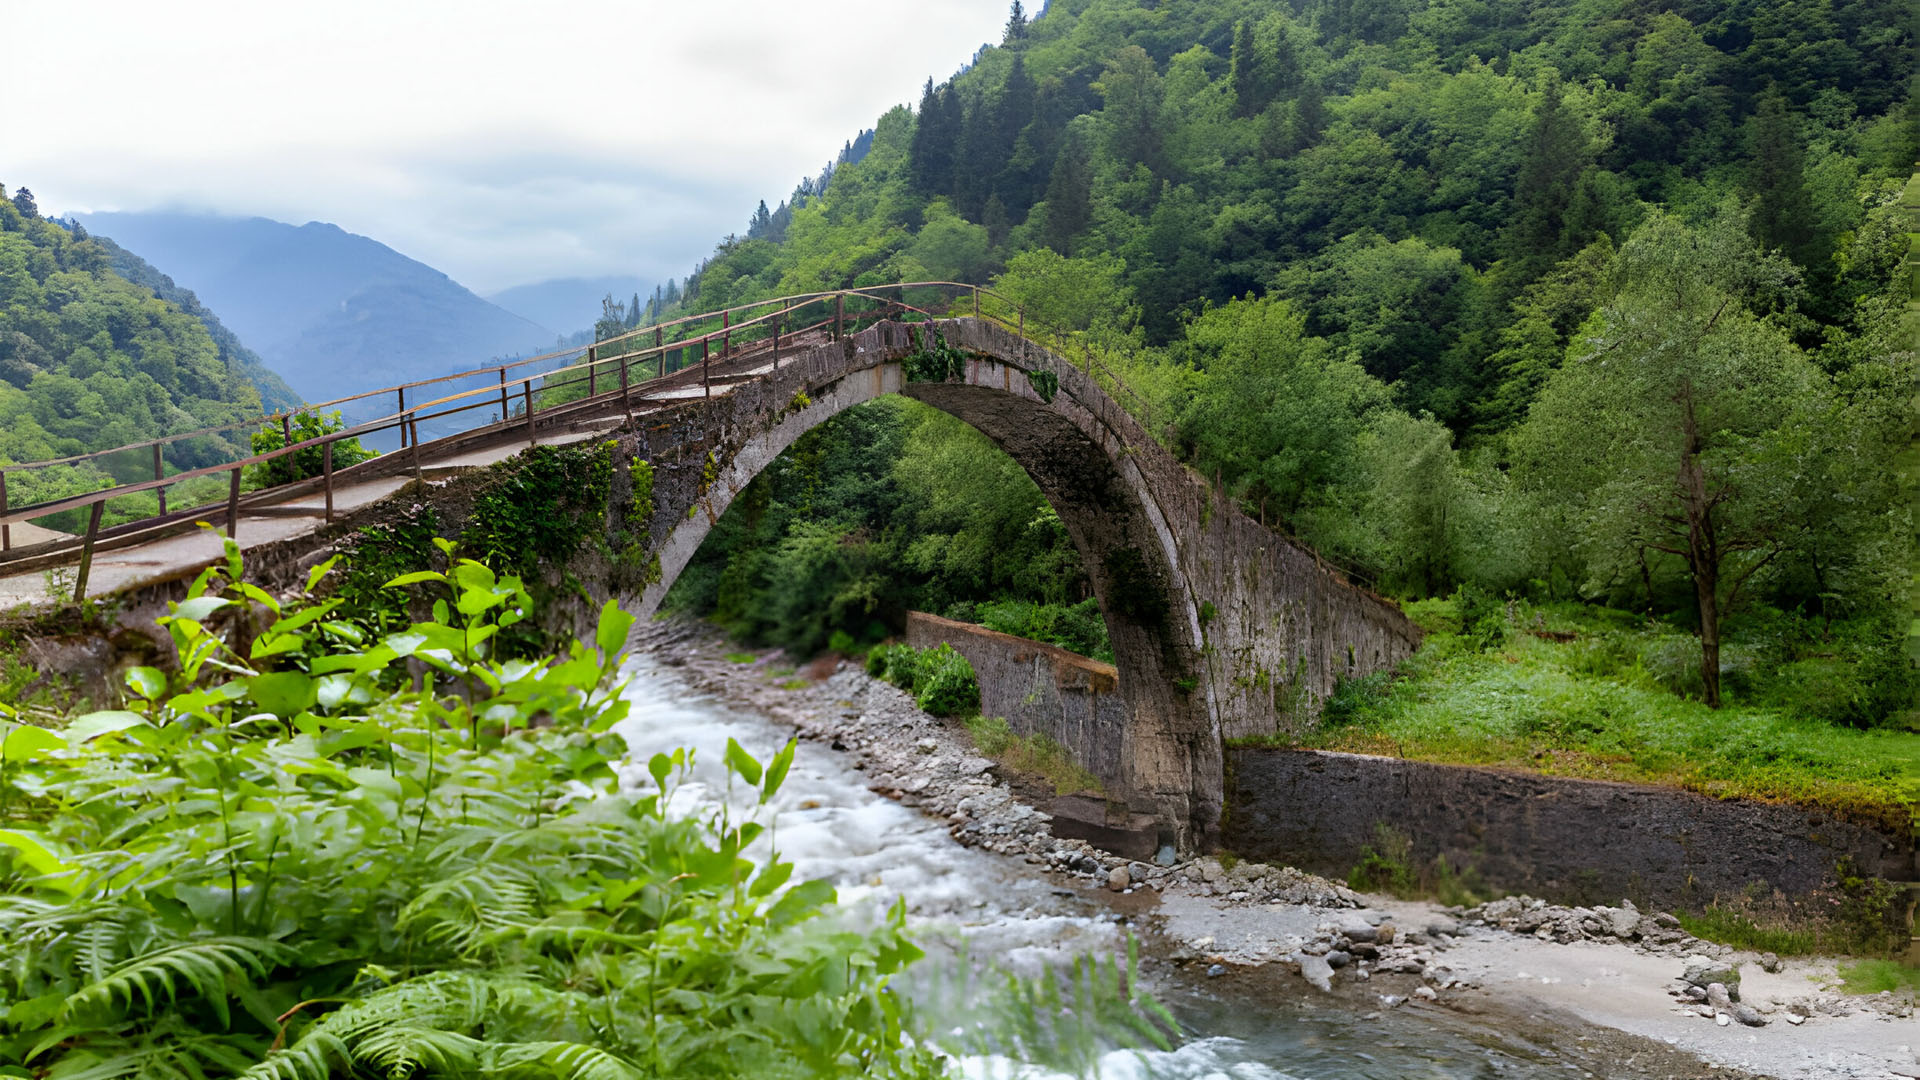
630 365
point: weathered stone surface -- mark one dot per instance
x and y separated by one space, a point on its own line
1574 841
1038 689
1107 827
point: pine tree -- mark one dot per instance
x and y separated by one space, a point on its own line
1556 154
1244 73
1069 196
23 202
761 220
633 312
1016 24
1783 211
930 157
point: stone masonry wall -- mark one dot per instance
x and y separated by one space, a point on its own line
1575 841
1038 689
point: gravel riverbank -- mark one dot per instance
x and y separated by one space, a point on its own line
1619 992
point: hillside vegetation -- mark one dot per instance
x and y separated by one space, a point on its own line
91 360
1589 303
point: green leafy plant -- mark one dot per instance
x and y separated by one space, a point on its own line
933 360
307 462
312 851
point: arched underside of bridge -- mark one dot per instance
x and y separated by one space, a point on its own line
1220 627
1169 745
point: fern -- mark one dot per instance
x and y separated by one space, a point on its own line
205 966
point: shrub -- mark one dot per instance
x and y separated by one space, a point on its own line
302 464
946 685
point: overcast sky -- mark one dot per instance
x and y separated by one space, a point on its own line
503 143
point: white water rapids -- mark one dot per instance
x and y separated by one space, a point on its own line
827 822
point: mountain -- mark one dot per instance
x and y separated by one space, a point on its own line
275 394
332 312
569 304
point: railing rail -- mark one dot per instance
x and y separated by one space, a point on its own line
643 351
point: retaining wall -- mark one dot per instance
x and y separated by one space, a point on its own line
1575 841
1039 689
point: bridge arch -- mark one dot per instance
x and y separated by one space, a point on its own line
1221 627
1052 425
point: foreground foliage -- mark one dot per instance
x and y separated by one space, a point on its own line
314 851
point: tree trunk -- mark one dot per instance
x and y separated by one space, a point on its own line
1703 547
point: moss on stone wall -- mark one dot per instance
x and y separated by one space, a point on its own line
540 507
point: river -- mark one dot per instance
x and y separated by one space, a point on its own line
1250 1026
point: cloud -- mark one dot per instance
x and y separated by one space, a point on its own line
501 142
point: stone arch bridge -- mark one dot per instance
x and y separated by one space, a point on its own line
1221 627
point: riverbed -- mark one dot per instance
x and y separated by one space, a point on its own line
1017 913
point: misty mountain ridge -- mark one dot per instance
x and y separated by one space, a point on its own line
332 312
567 305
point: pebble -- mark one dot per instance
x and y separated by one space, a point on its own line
1425 993
1119 878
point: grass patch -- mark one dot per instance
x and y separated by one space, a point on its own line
1876 976
1387 865
1572 690
796 684
742 657
1034 754
1729 927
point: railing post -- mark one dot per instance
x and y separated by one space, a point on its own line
626 401
726 334
528 383
593 371
706 383
326 470
402 413
976 301
86 552
6 531
233 504
776 338
159 473
503 394
660 346
414 423
839 313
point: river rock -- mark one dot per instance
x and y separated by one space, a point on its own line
1118 878
1718 997
1770 963
1707 974
1337 959
1624 920
1441 925
1356 928
1317 971
1749 1016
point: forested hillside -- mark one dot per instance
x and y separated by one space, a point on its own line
1566 302
273 389
91 360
